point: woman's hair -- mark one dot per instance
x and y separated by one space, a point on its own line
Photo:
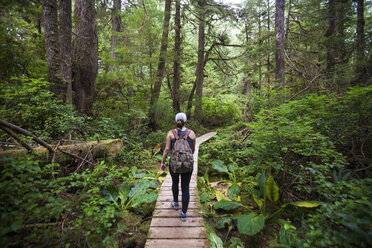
180 123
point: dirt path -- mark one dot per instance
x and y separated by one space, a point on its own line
167 229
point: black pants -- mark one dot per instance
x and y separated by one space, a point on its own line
185 183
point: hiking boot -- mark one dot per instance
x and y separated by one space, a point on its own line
183 216
175 205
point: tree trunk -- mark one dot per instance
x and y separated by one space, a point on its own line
341 12
200 65
177 58
161 65
116 28
50 13
268 42
85 54
189 103
360 64
65 32
260 57
288 18
331 53
279 42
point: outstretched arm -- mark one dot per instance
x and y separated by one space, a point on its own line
193 137
166 150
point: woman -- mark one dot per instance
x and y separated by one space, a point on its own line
185 177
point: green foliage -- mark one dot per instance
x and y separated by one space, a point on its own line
131 198
219 112
303 144
28 103
345 222
22 45
250 224
97 204
26 194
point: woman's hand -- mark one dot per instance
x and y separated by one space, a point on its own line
162 167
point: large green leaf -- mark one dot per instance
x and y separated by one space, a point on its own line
215 241
233 191
257 197
262 184
141 186
272 189
110 193
223 221
227 205
232 167
204 197
250 224
143 198
138 173
220 166
307 204
124 192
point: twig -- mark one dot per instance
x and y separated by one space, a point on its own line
84 159
75 156
25 132
15 136
361 147
312 80
40 224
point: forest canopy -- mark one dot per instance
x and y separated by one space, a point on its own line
89 90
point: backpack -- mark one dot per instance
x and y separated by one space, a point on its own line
182 159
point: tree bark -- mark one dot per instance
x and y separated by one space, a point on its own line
260 57
189 103
50 13
288 19
331 52
279 43
161 66
65 39
85 54
360 63
177 58
116 28
268 42
200 65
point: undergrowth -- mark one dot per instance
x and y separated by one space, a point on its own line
298 174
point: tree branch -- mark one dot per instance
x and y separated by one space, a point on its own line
17 138
25 132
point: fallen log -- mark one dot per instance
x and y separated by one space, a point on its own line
73 152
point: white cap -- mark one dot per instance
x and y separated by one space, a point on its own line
181 116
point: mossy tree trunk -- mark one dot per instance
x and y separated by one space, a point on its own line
200 65
85 54
65 39
50 14
161 65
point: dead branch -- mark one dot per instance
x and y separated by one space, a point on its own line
17 138
25 132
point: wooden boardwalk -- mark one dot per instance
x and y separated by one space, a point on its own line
166 228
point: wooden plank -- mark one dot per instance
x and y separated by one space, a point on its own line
169 188
169 198
167 204
173 213
169 192
177 233
179 243
176 222
192 184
